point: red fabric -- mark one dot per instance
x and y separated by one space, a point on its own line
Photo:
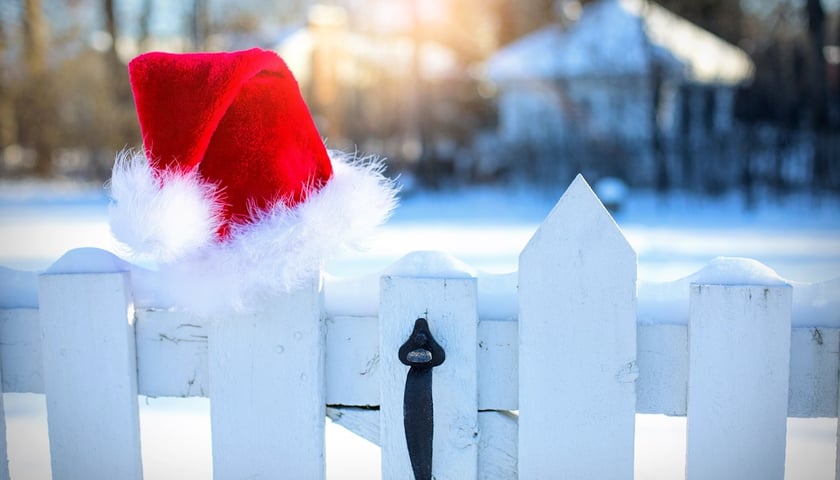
239 118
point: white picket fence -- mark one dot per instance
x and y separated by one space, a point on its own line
551 394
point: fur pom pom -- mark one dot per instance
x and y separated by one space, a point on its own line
162 216
282 248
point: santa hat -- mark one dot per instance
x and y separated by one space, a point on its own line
235 193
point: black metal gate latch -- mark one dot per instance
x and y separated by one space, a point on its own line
420 352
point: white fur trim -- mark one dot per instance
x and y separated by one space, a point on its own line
163 218
283 248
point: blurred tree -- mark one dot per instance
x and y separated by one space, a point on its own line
111 29
8 125
516 18
199 25
145 24
506 31
819 93
36 102
117 125
112 58
818 105
35 37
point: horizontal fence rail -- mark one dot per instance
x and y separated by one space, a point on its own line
172 362
572 356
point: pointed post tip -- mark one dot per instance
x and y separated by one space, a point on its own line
579 188
577 210
580 183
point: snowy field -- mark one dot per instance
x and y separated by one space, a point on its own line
673 237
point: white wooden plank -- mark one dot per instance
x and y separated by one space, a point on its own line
352 361
450 307
364 422
4 456
20 350
498 365
662 355
498 447
267 390
90 376
662 358
837 445
814 364
577 344
172 354
739 358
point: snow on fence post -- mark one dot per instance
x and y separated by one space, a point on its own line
90 375
450 306
267 401
739 361
577 344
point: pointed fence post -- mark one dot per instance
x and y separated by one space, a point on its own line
4 456
577 344
837 439
266 373
90 375
739 369
449 305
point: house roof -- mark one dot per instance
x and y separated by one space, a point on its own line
621 37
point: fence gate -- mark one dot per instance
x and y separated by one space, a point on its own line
449 383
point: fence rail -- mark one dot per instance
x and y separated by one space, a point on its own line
574 360
172 362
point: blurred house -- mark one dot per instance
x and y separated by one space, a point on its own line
617 86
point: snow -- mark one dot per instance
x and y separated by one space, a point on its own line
737 271
88 260
359 296
148 289
476 232
814 303
430 264
706 57
582 49
610 190
637 30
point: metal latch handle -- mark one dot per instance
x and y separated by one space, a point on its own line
422 353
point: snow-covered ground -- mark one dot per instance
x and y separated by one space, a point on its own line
486 228
673 236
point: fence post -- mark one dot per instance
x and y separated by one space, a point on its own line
739 364
577 344
837 437
90 375
266 372
4 456
449 305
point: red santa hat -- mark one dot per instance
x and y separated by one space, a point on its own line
235 193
